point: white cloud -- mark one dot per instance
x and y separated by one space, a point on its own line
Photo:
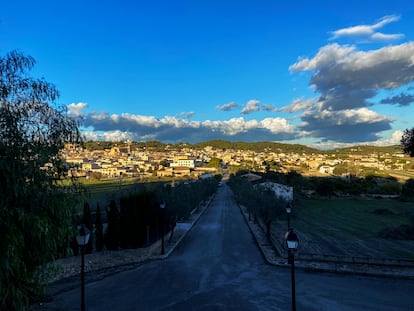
328 54
90 135
298 104
395 138
179 123
230 127
347 81
76 110
227 107
251 106
369 32
269 108
98 116
334 128
344 65
347 126
108 136
353 116
117 136
171 129
277 125
139 119
186 115
254 105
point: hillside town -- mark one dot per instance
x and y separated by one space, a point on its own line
124 160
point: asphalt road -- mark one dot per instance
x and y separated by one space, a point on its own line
218 266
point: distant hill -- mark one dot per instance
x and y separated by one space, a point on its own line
256 146
368 149
253 146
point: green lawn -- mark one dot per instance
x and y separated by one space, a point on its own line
350 227
351 218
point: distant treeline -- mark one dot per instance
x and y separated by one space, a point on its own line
253 146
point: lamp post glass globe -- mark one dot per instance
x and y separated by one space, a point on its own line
292 240
83 236
288 208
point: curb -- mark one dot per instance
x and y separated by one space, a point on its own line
172 248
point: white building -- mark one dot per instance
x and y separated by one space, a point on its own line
190 163
281 191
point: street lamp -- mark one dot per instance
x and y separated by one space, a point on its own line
82 240
292 243
288 211
162 207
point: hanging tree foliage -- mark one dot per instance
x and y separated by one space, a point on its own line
407 142
35 209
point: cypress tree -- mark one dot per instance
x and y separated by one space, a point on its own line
88 222
112 235
99 242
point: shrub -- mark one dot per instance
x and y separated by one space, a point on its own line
112 235
407 190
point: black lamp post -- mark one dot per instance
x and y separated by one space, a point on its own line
292 243
162 207
82 240
288 211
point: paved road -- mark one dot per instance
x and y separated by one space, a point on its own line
219 267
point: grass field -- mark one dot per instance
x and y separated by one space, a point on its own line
350 227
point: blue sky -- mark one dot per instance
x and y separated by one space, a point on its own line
322 73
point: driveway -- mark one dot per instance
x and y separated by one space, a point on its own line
218 266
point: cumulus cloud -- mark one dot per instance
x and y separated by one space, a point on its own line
76 110
395 138
342 70
227 107
349 125
400 100
172 129
369 32
347 80
108 136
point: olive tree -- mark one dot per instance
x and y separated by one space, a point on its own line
36 211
